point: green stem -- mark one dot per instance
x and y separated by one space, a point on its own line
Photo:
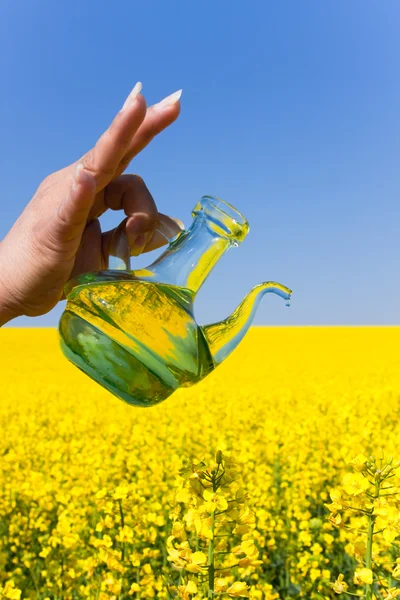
211 565
98 588
121 514
368 557
370 537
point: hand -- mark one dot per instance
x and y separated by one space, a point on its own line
58 235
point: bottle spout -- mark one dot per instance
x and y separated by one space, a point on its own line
224 336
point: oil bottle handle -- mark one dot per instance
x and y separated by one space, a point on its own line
119 256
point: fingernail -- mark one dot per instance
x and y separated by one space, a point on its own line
78 173
139 244
133 95
169 100
81 176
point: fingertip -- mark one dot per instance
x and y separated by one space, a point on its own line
139 104
168 110
157 240
133 95
129 119
180 223
171 101
170 226
82 177
139 243
135 104
140 222
166 230
169 114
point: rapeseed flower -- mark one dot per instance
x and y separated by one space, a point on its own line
363 576
340 586
88 484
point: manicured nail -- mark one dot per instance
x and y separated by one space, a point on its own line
132 96
169 100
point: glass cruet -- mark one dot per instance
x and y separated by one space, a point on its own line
134 331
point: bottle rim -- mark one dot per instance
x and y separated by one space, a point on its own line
228 220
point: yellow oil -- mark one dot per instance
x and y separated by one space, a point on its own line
138 339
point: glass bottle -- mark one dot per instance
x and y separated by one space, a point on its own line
134 331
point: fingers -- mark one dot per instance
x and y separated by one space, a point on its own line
104 159
158 117
72 213
130 194
93 172
89 258
132 129
166 228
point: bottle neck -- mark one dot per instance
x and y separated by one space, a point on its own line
189 259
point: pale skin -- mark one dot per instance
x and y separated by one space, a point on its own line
58 235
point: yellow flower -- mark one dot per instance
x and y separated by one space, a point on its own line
185 591
340 586
214 501
113 585
178 530
358 463
45 552
101 493
107 522
183 495
238 589
250 550
10 591
337 503
182 557
191 587
396 572
357 549
147 569
355 483
221 584
335 519
134 589
363 576
121 492
195 561
240 530
125 534
105 542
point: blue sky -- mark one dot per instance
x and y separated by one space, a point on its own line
290 111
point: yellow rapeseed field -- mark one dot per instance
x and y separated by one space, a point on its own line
105 501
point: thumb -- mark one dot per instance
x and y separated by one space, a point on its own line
73 212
